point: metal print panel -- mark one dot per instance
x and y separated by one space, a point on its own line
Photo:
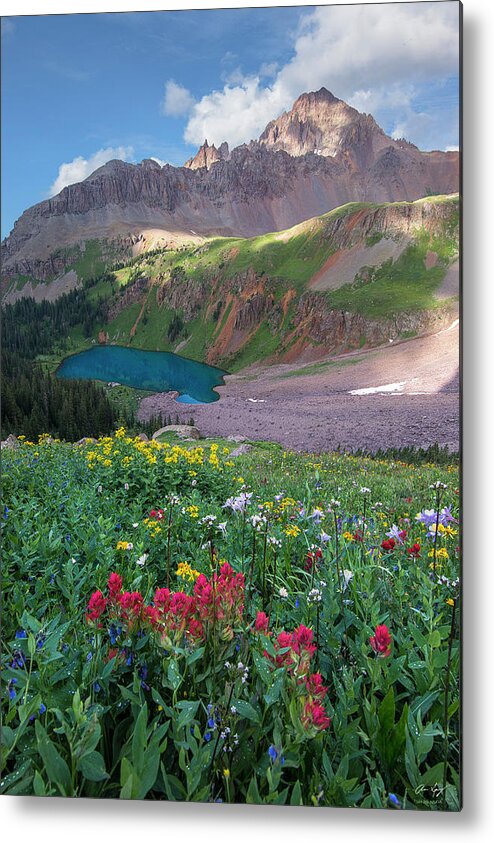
230 406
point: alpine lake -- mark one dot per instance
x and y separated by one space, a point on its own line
153 371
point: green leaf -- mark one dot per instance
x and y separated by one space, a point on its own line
246 710
188 710
423 703
55 766
173 675
296 797
92 767
272 695
126 779
262 667
386 711
8 736
139 740
253 796
39 785
435 639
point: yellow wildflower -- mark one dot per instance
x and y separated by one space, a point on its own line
447 531
292 530
441 553
186 572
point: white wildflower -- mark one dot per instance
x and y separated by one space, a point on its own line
347 576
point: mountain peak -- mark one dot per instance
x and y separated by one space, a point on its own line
208 155
320 96
321 124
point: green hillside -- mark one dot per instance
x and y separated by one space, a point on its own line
235 301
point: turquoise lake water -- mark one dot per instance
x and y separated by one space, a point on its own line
154 371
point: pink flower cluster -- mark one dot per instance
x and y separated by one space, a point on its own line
216 603
295 651
127 606
221 599
314 713
300 650
381 641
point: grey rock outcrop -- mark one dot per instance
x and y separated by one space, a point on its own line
184 431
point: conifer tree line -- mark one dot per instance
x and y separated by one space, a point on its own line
34 402
31 328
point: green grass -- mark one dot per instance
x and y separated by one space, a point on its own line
405 285
316 368
122 323
263 343
287 261
126 399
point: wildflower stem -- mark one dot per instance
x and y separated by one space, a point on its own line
251 574
265 544
168 546
362 548
244 518
446 702
318 611
219 732
273 587
436 534
340 586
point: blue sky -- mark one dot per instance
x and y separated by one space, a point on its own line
80 89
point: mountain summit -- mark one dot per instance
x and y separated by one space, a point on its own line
322 124
321 154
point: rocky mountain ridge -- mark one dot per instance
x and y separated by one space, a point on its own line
313 158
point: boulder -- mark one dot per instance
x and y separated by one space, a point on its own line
10 442
86 440
242 449
143 437
184 431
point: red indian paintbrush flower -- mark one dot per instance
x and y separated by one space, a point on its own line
262 622
381 641
96 607
114 585
314 714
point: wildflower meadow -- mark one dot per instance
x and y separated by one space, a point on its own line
275 628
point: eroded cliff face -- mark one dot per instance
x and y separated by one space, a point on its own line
320 155
302 321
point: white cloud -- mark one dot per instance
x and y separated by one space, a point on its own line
80 168
158 160
372 55
177 101
236 114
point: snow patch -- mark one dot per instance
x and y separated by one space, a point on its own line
371 390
